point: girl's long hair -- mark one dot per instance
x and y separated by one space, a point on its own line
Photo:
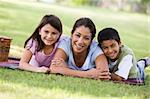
47 19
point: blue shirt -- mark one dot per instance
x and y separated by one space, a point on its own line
89 63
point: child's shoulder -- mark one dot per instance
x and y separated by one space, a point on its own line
32 42
126 49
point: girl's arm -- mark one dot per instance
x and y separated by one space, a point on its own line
59 65
24 63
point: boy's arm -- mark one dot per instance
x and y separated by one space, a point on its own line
116 77
123 69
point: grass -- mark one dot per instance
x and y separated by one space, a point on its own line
19 19
28 85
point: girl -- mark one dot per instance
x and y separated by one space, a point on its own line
40 47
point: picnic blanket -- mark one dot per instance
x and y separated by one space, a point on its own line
131 81
12 63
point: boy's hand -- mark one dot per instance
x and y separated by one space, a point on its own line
115 77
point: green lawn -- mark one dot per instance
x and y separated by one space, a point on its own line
19 19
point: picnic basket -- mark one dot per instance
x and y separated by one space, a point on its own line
4 48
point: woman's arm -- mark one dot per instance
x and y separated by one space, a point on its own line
92 73
102 65
24 63
59 65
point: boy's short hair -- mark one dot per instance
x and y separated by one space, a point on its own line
108 34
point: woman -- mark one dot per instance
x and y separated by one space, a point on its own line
79 55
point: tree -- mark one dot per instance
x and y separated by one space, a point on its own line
146 6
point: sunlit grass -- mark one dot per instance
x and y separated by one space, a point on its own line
16 84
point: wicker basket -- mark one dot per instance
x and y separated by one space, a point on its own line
4 48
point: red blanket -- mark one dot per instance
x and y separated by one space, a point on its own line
12 63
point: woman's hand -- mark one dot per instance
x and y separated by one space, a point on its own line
58 62
43 69
58 65
104 75
98 74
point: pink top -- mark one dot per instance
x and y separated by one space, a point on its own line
39 58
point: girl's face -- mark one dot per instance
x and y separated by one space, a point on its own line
111 48
81 39
49 34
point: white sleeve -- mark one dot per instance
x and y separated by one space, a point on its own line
125 66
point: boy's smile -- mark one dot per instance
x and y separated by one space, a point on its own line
111 48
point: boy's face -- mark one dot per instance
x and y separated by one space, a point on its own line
111 48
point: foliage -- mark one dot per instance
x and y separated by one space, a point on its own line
145 1
81 2
140 6
145 6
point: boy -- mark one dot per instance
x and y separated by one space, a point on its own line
122 63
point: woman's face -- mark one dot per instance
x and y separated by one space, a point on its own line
81 39
49 34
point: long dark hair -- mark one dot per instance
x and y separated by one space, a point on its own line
87 22
47 19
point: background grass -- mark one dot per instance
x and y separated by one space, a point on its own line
19 19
